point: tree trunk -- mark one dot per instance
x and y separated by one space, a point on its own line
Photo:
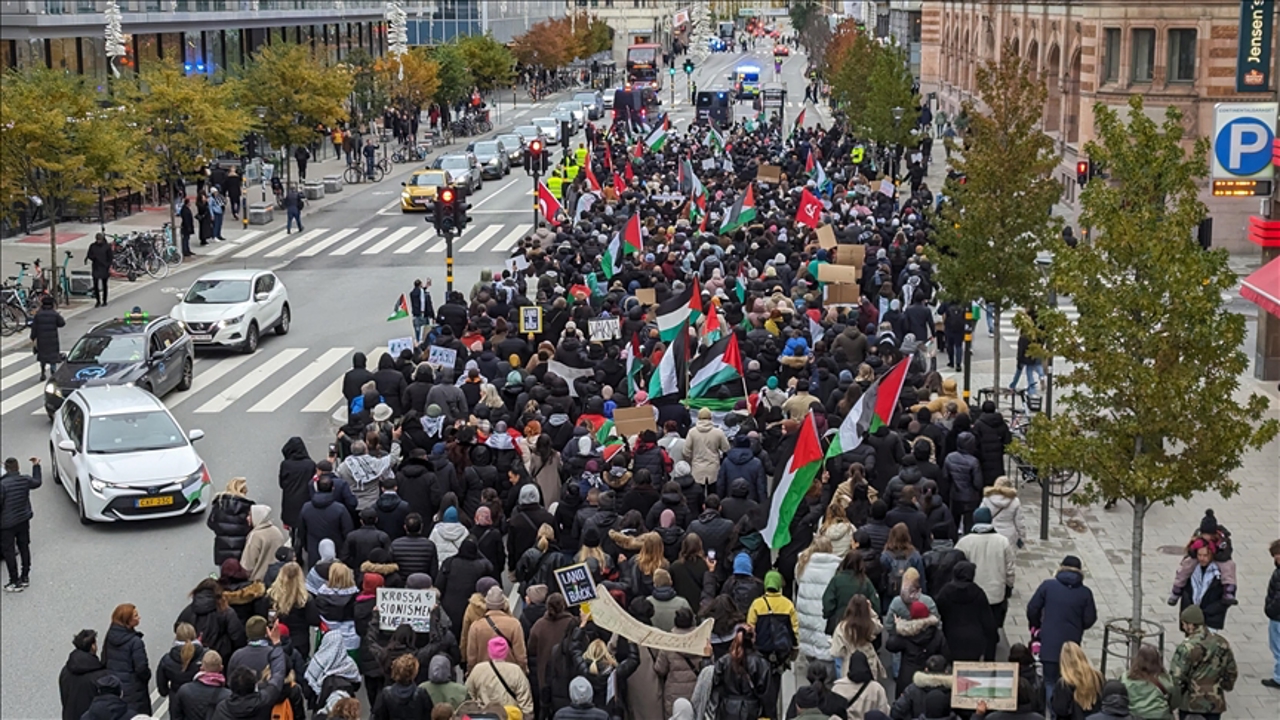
995 383
284 160
1140 505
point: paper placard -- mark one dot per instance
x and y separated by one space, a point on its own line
576 584
829 273
569 374
442 356
842 294
397 606
647 296
709 164
769 174
395 345
606 614
826 237
530 319
887 187
996 684
633 421
516 264
604 329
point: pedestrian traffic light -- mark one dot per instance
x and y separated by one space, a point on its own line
672 70
445 211
460 208
1082 172
688 67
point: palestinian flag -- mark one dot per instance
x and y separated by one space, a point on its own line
712 327
631 240
670 375
592 182
719 364
401 309
799 122
714 140
611 263
675 312
873 409
698 209
814 170
742 212
656 139
740 284
797 477
631 356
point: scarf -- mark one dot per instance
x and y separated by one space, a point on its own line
1201 579
434 426
366 468
212 679
331 659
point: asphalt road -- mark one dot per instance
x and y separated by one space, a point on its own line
343 276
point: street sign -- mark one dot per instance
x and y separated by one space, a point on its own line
1253 59
1242 140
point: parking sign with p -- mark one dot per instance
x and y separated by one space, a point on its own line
1242 140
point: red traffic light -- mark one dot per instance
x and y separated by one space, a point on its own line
1082 167
446 195
535 146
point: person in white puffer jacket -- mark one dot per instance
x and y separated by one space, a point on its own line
1006 510
814 570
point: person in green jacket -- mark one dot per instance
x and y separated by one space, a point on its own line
1152 693
851 579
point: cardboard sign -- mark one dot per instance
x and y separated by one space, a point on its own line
996 684
852 255
633 421
769 174
888 188
829 273
605 329
826 237
395 345
607 614
647 296
442 356
397 606
530 319
576 584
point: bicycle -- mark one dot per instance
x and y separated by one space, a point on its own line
13 317
355 174
62 289
383 164
167 248
408 154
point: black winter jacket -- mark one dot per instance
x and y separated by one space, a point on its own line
457 582
392 511
402 702
415 554
15 497
125 656
740 462
229 521
221 631
967 621
196 701
44 331
296 471
170 674
889 452
993 435
522 530
963 472
322 518
917 640
76 683
361 542
357 376
715 532
417 484
669 501
1272 604
108 707
742 693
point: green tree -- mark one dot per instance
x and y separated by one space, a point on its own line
298 91
591 35
812 28
889 86
996 223
368 95
848 55
60 144
185 117
548 44
410 81
1152 326
454 76
492 64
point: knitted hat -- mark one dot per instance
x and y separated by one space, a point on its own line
450 514
529 495
498 648
434 411
742 564
484 584
773 581
1209 523
919 610
494 599
536 594
1071 561
580 691
982 516
1193 615
418 581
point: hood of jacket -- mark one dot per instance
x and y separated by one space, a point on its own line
244 594
295 449
927 680
703 426
119 635
664 593
739 456
991 419
913 628
453 533
80 662
1115 700
1000 496
203 602
1070 578
967 443
387 502
322 500
739 488
709 516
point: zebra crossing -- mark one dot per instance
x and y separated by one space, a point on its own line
1009 331
293 379
350 241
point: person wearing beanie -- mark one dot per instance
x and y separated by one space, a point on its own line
777 630
581 703
1216 537
441 685
108 703
742 586
497 622
448 534
704 445
1204 666
1062 608
493 679
535 606
918 639
995 561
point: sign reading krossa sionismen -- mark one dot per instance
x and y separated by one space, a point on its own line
397 606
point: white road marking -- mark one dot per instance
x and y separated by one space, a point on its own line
9 404
224 399
480 238
13 378
414 244
331 397
232 244
300 380
510 240
12 358
476 206
359 240
205 378
387 241
305 238
260 246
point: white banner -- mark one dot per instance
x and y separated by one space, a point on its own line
397 606
606 613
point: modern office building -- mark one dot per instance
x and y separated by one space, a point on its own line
437 21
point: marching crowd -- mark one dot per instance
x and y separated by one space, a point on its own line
477 481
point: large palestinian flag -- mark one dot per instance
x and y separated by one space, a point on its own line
873 409
685 307
742 212
798 475
669 377
719 364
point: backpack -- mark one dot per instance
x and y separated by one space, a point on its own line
898 568
773 633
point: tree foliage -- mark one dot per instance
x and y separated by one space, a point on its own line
996 223
368 96
549 45
492 64
868 80
1152 327
451 69
410 81
848 56
298 90
591 35
812 28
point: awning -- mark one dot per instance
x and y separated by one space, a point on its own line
1263 287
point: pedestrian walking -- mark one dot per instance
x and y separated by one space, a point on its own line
15 520
1078 689
44 334
422 308
125 656
1203 667
186 227
1272 609
995 560
233 187
99 257
370 152
293 204
217 208
1062 608
1152 694
301 154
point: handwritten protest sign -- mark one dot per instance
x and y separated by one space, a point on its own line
575 584
397 606
605 329
996 684
607 614
395 345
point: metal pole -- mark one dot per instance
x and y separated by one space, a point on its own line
448 259
968 349
1045 499
535 197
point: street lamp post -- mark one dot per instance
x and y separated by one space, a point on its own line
898 112
1044 263
261 112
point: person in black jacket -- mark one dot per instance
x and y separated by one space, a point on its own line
907 512
522 529
714 529
108 704
186 227
125 657
216 624
297 470
415 394
391 509
15 520
44 333
403 699
322 518
460 576
391 384
967 621
414 553
889 452
100 256
248 701
197 699
362 541
77 683
918 639
355 378
229 521
179 666
993 435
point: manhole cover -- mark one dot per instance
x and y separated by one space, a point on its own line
1172 549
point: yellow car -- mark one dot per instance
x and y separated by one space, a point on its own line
420 192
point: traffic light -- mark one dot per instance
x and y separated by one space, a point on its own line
446 211
688 67
1082 172
250 146
460 208
533 160
672 71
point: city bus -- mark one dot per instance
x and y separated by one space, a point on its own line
644 66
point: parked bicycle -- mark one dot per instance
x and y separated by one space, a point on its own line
165 245
13 316
408 154
135 254
355 174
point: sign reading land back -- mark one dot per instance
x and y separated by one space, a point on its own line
576 584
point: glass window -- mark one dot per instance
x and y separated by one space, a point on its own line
134 432
104 349
304 35
1182 55
213 54
73 421
231 45
1111 55
257 38
30 53
146 51
217 292
10 54
1144 55
63 54
93 57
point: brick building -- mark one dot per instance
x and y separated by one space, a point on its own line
1091 51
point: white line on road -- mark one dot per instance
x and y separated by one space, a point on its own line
9 404
234 243
481 238
205 378
11 379
260 246
12 358
509 241
224 399
387 241
331 397
388 209
352 245
476 206
294 244
300 380
414 244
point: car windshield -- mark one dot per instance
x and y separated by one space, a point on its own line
510 142
486 148
527 130
133 432
454 163
108 349
585 98
428 180
545 122
217 292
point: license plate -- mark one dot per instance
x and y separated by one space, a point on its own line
420 201
159 501
201 338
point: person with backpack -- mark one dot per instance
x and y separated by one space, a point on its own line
777 629
898 556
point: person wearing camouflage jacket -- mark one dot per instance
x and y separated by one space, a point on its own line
1203 667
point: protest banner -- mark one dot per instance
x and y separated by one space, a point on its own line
769 174
397 606
996 684
633 421
605 329
608 615
826 237
442 356
576 584
395 345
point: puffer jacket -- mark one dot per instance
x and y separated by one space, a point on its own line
125 656
669 501
963 471
1006 512
217 630
703 447
917 640
679 673
229 521
170 675
740 462
653 458
742 695
993 435
296 471
715 532
811 585
447 538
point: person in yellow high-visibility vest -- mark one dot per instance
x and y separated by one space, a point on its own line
555 183
856 155
581 154
571 172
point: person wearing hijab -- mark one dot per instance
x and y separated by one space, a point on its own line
489 538
318 575
331 669
582 703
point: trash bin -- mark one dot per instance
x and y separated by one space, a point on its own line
333 183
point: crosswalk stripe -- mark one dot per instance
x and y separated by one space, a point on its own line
437 248
387 241
300 380
13 378
336 235
262 245
332 397
359 240
224 399
319 247
481 238
204 378
9 404
234 243
509 241
414 244
11 358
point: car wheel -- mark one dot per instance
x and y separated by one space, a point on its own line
250 344
84 519
282 327
53 463
188 371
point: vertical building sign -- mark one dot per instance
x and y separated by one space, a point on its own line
1253 64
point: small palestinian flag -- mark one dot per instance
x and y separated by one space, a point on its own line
742 212
874 409
719 364
401 310
670 376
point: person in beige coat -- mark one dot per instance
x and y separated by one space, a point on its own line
261 544
703 448
1006 510
679 671
861 689
485 682
497 622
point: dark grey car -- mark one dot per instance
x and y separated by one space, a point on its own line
493 159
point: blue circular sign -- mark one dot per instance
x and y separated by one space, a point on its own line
1243 146
93 372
